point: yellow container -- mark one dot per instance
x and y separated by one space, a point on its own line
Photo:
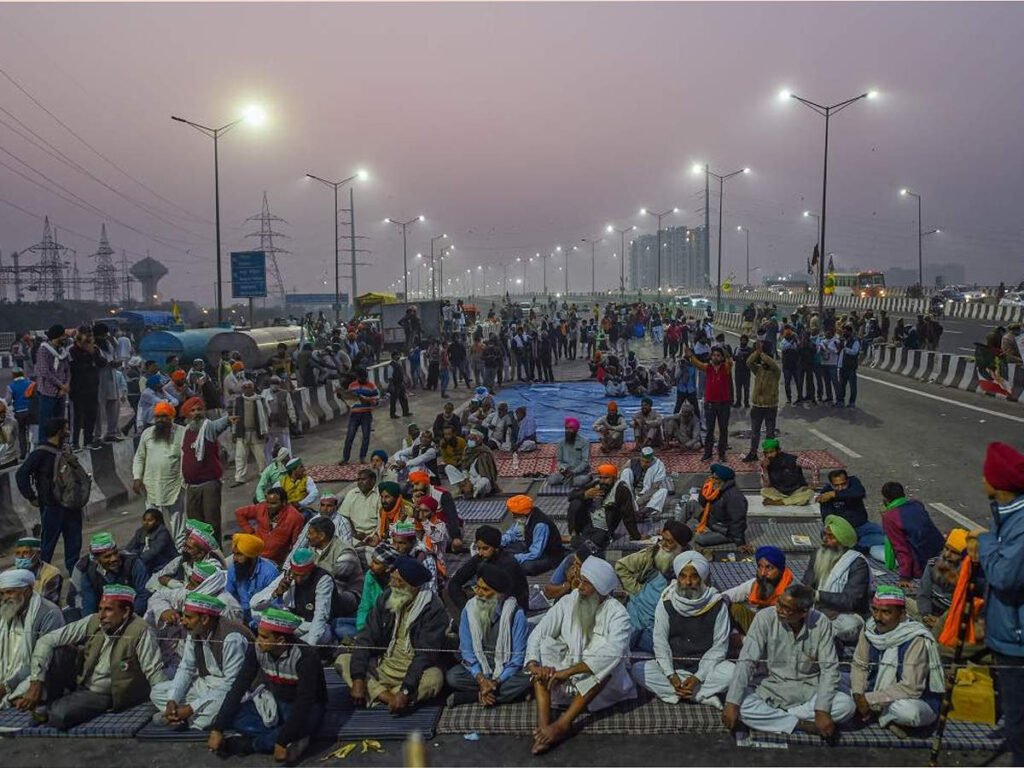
974 699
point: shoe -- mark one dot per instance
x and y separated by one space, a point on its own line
238 745
394 415
343 462
749 458
109 439
237 483
294 750
95 445
706 457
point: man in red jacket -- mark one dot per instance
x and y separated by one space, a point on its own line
275 521
717 400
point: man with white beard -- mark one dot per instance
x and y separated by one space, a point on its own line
691 638
396 657
492 643
638 568
841 579
24 618
156 469
578 655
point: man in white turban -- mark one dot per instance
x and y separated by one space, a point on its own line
25 616
578 655
691 638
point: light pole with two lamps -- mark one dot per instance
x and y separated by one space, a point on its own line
405 247
921 234
622 247
659 217
722 178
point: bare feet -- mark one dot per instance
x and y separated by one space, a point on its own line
549 736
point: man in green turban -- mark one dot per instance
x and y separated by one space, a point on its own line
841 579
783 478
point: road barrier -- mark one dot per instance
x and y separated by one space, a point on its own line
947 370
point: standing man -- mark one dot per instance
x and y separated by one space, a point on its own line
201 466
360 415
397 386
53 376
765 397
280 418
1000 554
156 469
717 400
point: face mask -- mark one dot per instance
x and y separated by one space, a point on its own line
471 443
23 562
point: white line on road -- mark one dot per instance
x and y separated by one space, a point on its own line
835 444
955 516
946 400
950 330
967 349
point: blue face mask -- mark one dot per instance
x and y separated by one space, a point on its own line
23 562
471 443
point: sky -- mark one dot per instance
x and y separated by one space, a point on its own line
513 128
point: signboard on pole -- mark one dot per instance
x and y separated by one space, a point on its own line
248 274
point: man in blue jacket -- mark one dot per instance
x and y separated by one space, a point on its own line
1001 555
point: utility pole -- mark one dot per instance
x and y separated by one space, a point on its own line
593 262
405 248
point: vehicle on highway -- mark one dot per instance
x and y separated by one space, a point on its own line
865 284
951 294
971 294
1013 299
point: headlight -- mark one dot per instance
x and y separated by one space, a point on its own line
881 293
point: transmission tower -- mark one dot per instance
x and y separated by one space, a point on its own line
51 265
105 277
76 279
266 235
126 279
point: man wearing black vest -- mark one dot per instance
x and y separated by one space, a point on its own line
216 653
691 639
533 537
117 665
306 590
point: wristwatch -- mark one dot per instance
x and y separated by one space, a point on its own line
404 691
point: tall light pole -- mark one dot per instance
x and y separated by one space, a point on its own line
433 289
747 232
593 261
622 249
920 236
722 178
254 116
405 247
544 263
567 250
827 113
440 266
335 185
659 217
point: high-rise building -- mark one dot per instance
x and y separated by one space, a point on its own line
684 260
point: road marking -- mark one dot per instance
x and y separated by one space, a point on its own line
946 400
950 330
835 444
952 514
967 349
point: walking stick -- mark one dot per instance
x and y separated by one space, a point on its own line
947 694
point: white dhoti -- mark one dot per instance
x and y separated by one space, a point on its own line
758 714
527 446
620 687
204 698
649 675
846 627
912 713
657 499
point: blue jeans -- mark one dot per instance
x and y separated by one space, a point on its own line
642 640
249 722
358 421
871 540
49 408
831 374
60 521
848 377
443 376
343 627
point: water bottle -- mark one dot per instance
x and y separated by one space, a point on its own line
515 463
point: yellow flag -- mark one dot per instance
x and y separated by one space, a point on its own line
175 312
727 286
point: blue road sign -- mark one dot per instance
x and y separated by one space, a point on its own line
248 274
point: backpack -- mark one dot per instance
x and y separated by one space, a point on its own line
72 485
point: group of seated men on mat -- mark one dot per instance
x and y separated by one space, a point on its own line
236 644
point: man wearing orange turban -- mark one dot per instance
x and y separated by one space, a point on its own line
201 467
533 538
156 468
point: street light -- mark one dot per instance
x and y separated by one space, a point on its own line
559 248
593 262
920 236
659 217
827 113
433 290
253 115
722 178
405 249
622 249
747 232
335 185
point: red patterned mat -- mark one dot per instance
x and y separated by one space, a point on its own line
692 462
332 473
540 461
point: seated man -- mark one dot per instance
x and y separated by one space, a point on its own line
492 644
216 652
275 521
938 583
397 655
641 608
328 510
683 427
488 551
447 417
660 379
897 672
637 568
291 677
248 573
533 538
596 511
647 478
844 495
106 564
910 529
299 487
801 690
339 558
578 655
566 577
763 590
120 662
611 428
451 448
572 458
691 638
841 580
614 386
499 426
379 460
49 580
270 477
647 425
25 616
198 546
420 481
306 590
477 476
720 510
361 506
786 482
376 580
394 508
407 540
422 454
525 430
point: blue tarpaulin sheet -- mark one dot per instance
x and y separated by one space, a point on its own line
551 404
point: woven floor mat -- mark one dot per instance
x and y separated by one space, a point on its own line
553 506
645 715
481 510
562 489
513 486
377 723
530 464
726 575
332 473
118 725
787 536
957 736
154 732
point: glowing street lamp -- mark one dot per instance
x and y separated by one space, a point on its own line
921 234
659 217
622 248
405 246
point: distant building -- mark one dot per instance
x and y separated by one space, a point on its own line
947 274
684 262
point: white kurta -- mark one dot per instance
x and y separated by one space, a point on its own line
315 631
655 484
557 642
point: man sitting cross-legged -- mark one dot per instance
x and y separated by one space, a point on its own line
897 672
578 655
691 638
801 690
492 643
786 482
396 656
841 579
648 479
25 616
